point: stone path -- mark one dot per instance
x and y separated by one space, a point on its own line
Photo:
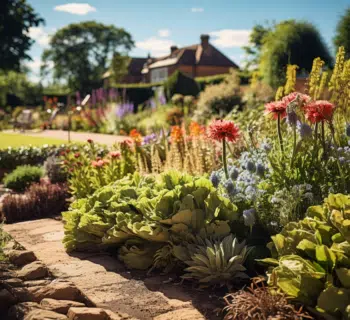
107 139
106 282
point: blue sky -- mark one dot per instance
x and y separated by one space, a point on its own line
157 24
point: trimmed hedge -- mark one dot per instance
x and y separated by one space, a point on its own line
182 84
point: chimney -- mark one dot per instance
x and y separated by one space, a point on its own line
204 40
173 49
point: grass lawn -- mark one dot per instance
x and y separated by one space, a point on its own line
17 140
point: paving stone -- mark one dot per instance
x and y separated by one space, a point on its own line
87 314
21 257
7 299
14 282
57 289
19 310
181 314
40 314
60 306
33 271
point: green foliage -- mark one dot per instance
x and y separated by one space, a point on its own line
214 262
180 83
137 93
313 257
80 52
39 201
142 215
219 99
284 45
22 177
342 37
17 17
177 99
119 67
203 82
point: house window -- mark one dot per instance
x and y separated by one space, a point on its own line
158 75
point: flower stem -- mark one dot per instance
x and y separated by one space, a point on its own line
294 144
323 140
224 157
279 132
338 163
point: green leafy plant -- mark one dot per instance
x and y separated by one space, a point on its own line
214 262
22 177
311 258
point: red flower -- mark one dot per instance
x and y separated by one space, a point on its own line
67 150
223 129
126 143
303 98
115 154
136 136
77 155
276 108
319 110
90 141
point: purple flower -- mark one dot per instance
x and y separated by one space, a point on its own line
162 99
260 170
149 138
229 186
292 118
249 217
214 178
234 174
305 130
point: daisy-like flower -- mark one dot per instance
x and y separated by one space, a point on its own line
319 110
276 108
303 98
223 129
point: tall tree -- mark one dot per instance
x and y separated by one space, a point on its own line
82 52
291 42
342 37
119 67
16 18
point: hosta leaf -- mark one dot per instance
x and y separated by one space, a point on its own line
326 257
344 277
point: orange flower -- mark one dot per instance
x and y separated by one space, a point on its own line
176 134
319 110
196 129
223 129
137 137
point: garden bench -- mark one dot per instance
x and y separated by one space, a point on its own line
24 120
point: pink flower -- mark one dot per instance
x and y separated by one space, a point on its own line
98 164
223 129
276 108
303 98
90 141
319 110
115 154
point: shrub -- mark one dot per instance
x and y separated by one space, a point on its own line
189 101
219 99
54 170
174 116
40 200
23 176
177 99
180 83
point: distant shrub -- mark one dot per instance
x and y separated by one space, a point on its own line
174 116
219 99
22 177
180 83
40 200
54 170
189 101
177 99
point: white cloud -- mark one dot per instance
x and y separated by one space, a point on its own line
197 10
76 8
164 33
229 38
238 59
156 46
39 35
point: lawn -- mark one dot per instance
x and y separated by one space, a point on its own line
17 140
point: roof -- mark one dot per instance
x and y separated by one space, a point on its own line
193 55
134 68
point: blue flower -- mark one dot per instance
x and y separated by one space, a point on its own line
260 169
266 146
215 179
292 118
305 130
234 174
249 217
230 188
342 160
251 166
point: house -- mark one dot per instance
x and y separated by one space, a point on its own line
198 60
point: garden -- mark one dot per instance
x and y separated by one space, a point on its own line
251 204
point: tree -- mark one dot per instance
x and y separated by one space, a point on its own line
81 53
16 18
253 50
291 42
342 37
119 67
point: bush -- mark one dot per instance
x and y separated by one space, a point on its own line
219 99
39 201
177 99
54 170
180 83
22 177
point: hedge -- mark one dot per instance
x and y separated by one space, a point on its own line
181 84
